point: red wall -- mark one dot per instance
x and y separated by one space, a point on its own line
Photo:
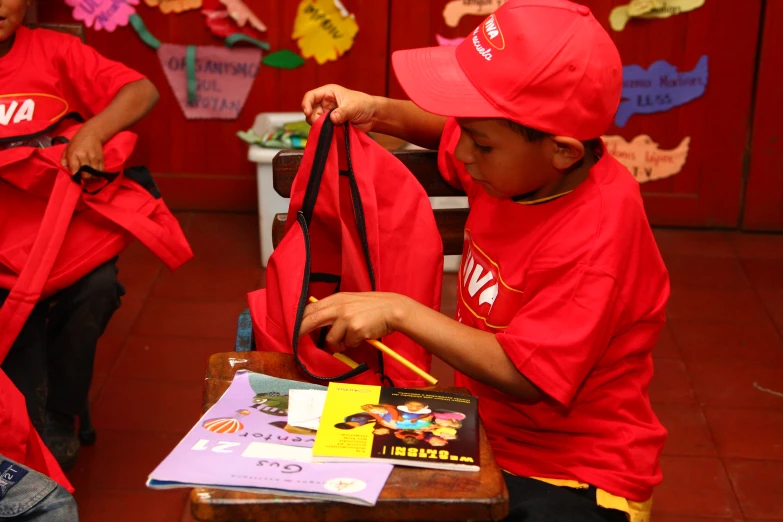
764 194
707 192
202 164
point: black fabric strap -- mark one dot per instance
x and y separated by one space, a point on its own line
70 116
317 171
143 177
300 313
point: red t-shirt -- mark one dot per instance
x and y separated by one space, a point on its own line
48 74
575 290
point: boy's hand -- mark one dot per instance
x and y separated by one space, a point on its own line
85 148
355 317
354 107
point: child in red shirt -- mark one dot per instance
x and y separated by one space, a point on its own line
562 290
44 76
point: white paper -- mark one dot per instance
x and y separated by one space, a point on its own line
305 408
262 450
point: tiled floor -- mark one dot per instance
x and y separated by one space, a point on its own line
719 354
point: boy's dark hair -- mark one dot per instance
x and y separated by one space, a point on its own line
533 135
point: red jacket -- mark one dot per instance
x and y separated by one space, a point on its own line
358 221
20 442
55 230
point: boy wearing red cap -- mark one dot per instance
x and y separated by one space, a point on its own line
562 290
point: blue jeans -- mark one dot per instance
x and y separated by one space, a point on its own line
29 496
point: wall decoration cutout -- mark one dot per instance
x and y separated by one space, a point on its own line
659 88
648 9
454 11
234 17
283 59
222 80
174 6
324 30
442 40
644 159
103 14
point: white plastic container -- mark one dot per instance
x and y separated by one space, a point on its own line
269 201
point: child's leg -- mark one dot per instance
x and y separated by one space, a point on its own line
78 318
25 363
531 500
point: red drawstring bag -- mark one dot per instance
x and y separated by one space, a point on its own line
56 228
358 221
20 442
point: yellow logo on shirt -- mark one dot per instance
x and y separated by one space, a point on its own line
17 108
482 290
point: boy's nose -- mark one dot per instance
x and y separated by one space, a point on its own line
463 150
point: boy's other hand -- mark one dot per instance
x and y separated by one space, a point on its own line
85 148
355 317
354 107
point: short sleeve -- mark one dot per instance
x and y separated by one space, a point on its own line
563 328
94 79
451 169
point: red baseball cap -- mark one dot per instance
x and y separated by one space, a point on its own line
546 64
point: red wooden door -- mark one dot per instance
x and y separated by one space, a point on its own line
763 209
707 191
202 164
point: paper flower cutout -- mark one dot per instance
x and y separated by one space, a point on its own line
174 6
235 18
324 30
103 14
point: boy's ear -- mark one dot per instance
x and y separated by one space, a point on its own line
568 152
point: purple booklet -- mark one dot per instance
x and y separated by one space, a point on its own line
244 442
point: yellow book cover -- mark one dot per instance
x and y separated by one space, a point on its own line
406 427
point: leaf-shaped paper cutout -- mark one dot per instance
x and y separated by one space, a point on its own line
283 59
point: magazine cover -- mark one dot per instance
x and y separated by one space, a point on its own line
244 442
402 426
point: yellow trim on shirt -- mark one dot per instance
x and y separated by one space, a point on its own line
635 511
543 200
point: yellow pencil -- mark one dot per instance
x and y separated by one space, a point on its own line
391 353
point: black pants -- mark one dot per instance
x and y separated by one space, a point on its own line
531 500
51 361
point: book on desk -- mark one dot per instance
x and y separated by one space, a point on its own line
244 442
406 427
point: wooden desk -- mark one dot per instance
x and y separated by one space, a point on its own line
410 494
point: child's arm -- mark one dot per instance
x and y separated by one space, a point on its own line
358 316
132 102
398 118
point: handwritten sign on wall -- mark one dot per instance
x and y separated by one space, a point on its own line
659 88
324 30
647 9
645 160
103 14
454 10
223 79
174 6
